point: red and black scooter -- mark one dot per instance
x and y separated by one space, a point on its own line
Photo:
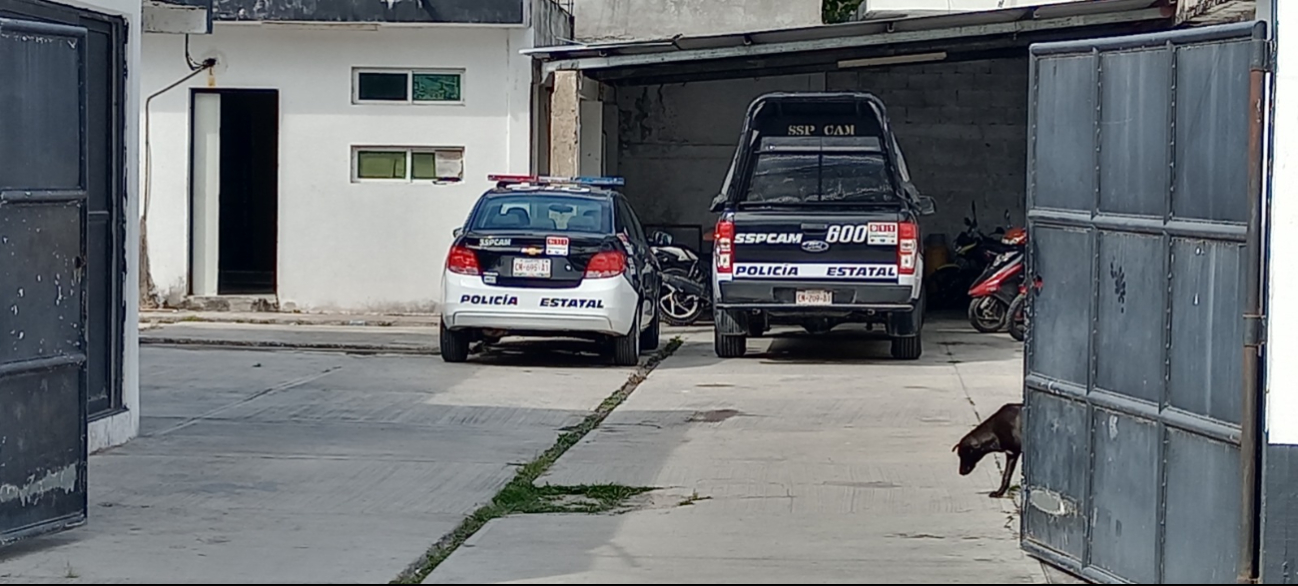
994 291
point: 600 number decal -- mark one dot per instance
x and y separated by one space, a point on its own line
875 233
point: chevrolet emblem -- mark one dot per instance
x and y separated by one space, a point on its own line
532 250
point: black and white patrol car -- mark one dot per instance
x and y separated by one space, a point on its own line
550 256
819 224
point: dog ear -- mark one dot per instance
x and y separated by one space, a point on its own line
955 448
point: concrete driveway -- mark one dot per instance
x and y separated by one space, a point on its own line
813 461
279 466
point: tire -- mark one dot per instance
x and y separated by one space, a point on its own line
727 346
910 348
679 308
626 349
453 345
987 314
1016 322
649 338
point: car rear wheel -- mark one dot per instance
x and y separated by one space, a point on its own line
626 349
649 338
908 348
454 345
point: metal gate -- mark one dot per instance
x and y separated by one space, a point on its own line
1144 199
43 192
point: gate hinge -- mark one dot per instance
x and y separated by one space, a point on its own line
1264 56
1254 331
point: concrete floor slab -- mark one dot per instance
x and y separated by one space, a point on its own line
811 460
292 467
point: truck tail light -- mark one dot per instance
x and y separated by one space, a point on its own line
609 263
462 261
723 245
907 247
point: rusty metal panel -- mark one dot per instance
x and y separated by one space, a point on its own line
1124 496
1065 133
1139 208
1134 132
43 377
1201 474
1207 290
1212 132
1131 305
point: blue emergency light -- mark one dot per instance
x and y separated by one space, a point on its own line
550 180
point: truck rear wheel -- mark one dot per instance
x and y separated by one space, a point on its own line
728 345
908 348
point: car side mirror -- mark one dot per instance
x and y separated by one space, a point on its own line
718 203
458 232
661 238
928 206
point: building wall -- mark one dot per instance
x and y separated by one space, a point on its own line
676 142
343 245
962 126
124 425
940 6
623 20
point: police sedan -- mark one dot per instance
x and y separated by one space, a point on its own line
551 257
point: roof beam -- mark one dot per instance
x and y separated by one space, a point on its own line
1004 28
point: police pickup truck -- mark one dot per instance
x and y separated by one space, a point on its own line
819 224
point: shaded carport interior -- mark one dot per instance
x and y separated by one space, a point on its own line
665 114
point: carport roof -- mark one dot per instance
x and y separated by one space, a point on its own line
791 50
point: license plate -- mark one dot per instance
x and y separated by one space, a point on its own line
532 267
815 298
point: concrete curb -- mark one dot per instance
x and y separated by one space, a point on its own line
275 345
289 319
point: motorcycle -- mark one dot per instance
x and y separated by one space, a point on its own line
995 290
974 251
1018 318
686 293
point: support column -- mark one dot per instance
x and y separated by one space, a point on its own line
565 124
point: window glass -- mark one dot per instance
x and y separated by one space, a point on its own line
819 177
437 87
381 164
543 212
388 87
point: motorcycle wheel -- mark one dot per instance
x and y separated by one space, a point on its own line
1017 321
679 308
987 314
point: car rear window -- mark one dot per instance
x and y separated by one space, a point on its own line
543 212
830 177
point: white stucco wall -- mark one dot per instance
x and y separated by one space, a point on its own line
625 20
119 428
1282 318
344 246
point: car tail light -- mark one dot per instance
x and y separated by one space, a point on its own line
609 263
907 247
723 244
462 261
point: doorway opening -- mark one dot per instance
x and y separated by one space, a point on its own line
235 186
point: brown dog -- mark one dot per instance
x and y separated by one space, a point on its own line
998 433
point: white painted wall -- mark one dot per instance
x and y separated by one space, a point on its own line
344 246
1282 318
954 5
118 429
625 20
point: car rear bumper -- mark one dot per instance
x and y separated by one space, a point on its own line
757 294
600 306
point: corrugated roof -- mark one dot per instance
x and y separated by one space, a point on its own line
852 34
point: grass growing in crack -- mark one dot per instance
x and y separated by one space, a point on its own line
522 496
